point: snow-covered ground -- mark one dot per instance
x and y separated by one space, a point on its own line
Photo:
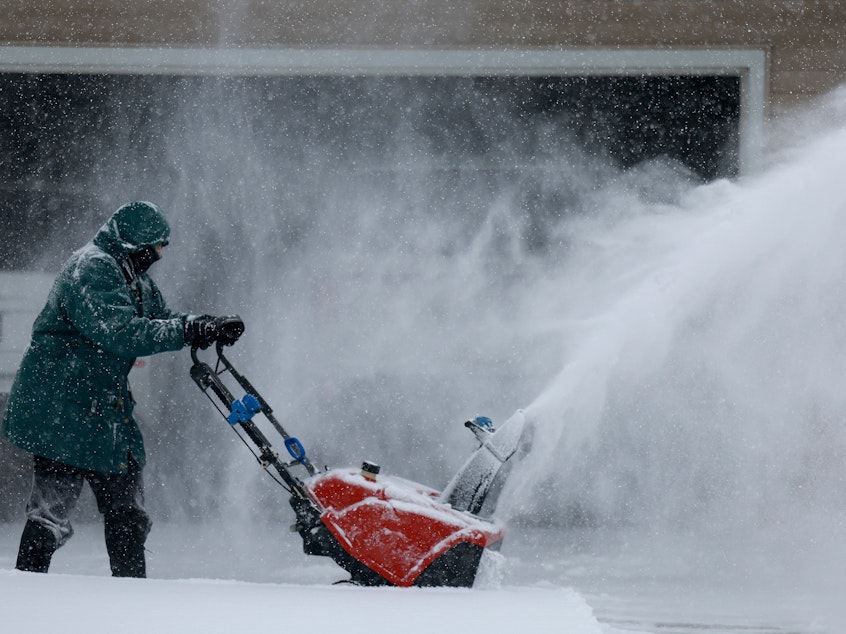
257 581
95 604
225 578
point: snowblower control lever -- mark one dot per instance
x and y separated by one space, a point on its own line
296 449
244 409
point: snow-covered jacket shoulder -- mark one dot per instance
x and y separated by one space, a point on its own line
70 400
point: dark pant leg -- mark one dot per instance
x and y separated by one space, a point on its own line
120 498
55 491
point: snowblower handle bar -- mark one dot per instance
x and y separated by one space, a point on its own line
249 389
242 381
241 413
266 410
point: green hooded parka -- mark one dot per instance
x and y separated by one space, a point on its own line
70 400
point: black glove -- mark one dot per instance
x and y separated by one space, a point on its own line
200 331
203 330
229 329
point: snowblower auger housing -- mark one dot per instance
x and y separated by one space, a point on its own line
381 529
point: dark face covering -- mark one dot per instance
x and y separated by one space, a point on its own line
143 259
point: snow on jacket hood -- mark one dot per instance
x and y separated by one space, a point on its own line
134 226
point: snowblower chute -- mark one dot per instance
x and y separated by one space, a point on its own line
380 528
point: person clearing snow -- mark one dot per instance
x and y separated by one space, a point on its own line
70 404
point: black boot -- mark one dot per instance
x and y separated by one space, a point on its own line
126 532
37 547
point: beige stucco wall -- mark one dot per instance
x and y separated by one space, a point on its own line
805 41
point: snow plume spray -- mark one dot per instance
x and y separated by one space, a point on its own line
701 389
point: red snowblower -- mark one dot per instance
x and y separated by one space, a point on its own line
381 529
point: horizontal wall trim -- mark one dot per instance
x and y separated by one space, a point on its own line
223 61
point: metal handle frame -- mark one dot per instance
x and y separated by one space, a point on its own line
211 383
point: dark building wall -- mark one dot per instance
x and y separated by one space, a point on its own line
68 138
